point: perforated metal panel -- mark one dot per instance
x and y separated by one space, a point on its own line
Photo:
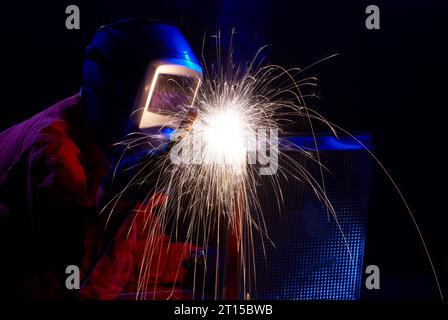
317 256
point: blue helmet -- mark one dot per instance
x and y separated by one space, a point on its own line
137 75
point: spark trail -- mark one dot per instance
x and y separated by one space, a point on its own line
208 176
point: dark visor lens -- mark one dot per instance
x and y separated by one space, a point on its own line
172 94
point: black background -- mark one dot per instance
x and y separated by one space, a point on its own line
391 82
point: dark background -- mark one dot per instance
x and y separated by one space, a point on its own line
391 82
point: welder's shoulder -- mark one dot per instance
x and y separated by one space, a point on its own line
51 125
43 136
52 137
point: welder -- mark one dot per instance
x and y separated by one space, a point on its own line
139 76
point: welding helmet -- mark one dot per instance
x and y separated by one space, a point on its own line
138 75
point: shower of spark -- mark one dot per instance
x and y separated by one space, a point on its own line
207 175
211 186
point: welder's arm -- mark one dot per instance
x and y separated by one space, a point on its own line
138 172
59 203
118 266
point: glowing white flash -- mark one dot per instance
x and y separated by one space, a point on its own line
225 135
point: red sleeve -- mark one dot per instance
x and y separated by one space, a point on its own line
132 263
59 203
55 168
